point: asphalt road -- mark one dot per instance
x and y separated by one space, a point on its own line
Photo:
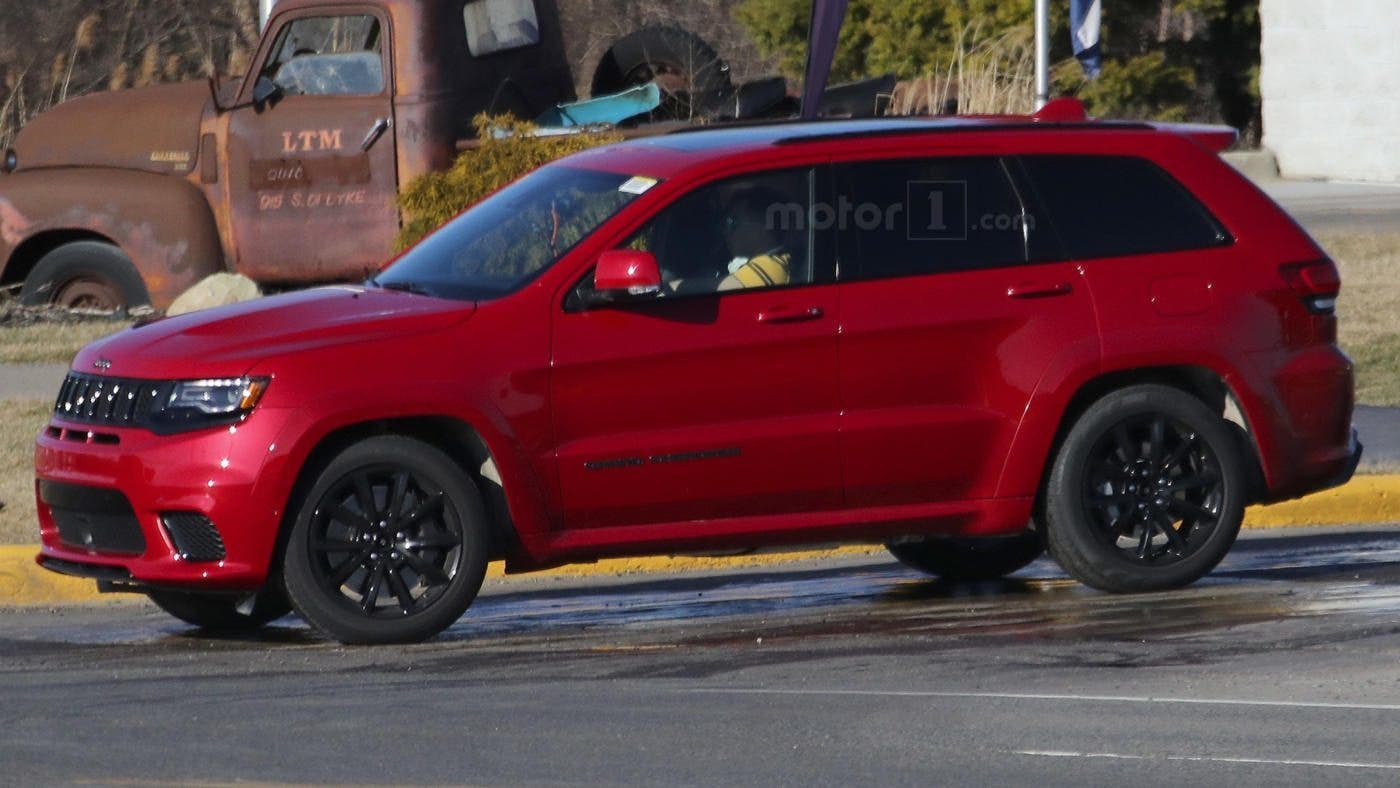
1280 668
1331 206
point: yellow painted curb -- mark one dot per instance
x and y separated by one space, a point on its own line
1366 500
23 582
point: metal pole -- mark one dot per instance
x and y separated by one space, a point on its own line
265 12
1042 53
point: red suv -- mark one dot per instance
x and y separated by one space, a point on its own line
969 339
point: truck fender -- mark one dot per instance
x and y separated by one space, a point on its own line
163 224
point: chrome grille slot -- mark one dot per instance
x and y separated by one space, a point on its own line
118 402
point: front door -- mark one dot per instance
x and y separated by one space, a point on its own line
954 310
313 173
717 400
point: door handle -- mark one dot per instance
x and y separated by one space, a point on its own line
1040 290
784 314
375 132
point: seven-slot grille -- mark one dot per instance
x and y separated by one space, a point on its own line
92 399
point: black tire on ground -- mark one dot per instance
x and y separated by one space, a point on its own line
85 275
1147 492
219 613
970 560
390 544
680 60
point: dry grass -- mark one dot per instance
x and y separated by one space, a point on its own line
51 342
994 77
1370 311
20 422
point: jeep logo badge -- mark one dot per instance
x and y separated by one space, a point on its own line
102 363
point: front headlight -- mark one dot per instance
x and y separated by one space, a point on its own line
196 404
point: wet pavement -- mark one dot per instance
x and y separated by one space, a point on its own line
1283 666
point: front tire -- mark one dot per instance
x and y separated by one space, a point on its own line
1147 492
970 560
220 613
389 545
85 275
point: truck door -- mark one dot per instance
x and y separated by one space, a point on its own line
313 179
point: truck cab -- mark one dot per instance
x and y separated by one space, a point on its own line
288 174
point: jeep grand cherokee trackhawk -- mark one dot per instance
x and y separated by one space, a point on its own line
969 339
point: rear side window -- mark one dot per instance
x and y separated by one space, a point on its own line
928 216
1115 206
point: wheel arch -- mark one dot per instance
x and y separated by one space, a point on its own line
34 248
459 440
162 223
1203 383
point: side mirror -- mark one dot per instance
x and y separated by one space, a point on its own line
624 274
264 91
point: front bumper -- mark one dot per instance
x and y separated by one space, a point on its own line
215 473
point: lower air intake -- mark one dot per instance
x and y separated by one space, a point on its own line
195 537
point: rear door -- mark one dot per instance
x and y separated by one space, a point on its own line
717 400
954 307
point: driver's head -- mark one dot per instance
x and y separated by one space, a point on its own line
750 221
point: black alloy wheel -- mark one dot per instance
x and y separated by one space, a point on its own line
390 545
1154 489
1147 492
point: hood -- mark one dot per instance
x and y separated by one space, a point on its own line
153 129
230 341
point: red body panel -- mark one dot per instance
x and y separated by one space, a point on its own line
916 405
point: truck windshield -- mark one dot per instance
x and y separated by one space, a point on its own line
503 242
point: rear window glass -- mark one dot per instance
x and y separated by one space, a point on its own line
1114 206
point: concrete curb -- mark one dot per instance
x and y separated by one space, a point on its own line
1366 500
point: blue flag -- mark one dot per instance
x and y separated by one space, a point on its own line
1085 20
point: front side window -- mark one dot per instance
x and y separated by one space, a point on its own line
747 233
506 240
328 56
1115 206
929 216
501 25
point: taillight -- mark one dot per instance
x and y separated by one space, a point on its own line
1317 283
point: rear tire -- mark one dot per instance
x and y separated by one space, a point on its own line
389 545
1147 492
970 560
219 613
85 275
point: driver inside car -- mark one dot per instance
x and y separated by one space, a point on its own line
762 258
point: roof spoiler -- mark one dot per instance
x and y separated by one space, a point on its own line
1071 110
1213 138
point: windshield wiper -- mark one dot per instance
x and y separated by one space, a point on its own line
401 287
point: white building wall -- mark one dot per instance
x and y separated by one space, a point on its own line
1331 87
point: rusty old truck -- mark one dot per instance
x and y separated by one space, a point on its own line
290 173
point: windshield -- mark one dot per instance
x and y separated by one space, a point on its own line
504 241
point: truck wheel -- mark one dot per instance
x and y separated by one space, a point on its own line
687 68
1147 492
970 559
220 613
85 275
389 544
